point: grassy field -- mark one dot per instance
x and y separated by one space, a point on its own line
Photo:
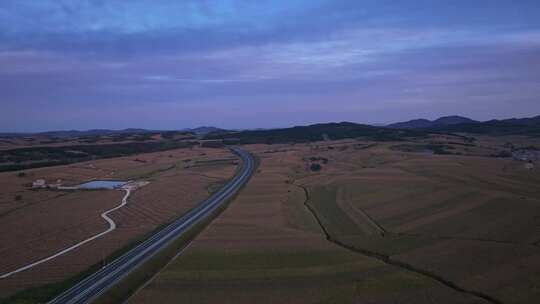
436 219
44 221
470 220
269 247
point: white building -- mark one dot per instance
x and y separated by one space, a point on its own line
40 183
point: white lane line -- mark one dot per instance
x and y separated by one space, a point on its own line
104 215
157 244
159 239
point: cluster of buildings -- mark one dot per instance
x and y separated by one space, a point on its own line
527 155
41 183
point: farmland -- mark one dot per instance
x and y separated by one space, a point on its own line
41 222
418 220
295 152
376 224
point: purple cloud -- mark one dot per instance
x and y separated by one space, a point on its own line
238 64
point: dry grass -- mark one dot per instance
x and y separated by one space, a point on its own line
268 248
46 221
473 220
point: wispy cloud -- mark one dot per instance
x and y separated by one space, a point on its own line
372 60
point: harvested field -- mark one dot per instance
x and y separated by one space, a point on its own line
471 220
43 221
375 224
267 247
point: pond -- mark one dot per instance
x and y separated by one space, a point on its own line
102 184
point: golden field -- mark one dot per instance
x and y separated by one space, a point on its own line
377 224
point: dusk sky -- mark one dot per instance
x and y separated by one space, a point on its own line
250 64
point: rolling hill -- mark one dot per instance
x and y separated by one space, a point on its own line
317 132
513 126
425 124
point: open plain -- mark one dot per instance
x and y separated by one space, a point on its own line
311 152
419 220
374 222
39 222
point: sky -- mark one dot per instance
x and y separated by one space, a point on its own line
263 64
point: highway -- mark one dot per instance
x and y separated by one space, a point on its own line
96 284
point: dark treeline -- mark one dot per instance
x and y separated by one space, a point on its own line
34 157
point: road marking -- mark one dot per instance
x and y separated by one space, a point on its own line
99 282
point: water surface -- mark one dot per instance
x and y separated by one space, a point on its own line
102 184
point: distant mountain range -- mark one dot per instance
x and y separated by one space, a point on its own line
78 133
513 126
524 126
397 131
102 132
93 132
425 124
316 132
204 130
416 127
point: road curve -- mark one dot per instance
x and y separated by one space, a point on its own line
104 215
94 285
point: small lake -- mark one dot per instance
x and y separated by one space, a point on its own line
102 184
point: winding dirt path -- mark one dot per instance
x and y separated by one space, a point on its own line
104 215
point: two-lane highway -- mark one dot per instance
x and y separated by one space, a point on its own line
99 282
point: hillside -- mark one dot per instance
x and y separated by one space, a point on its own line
103 132
204 130
412 124
94 132
452 120
513 126
317 132
398 131
425 123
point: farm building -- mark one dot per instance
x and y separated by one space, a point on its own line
39 183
